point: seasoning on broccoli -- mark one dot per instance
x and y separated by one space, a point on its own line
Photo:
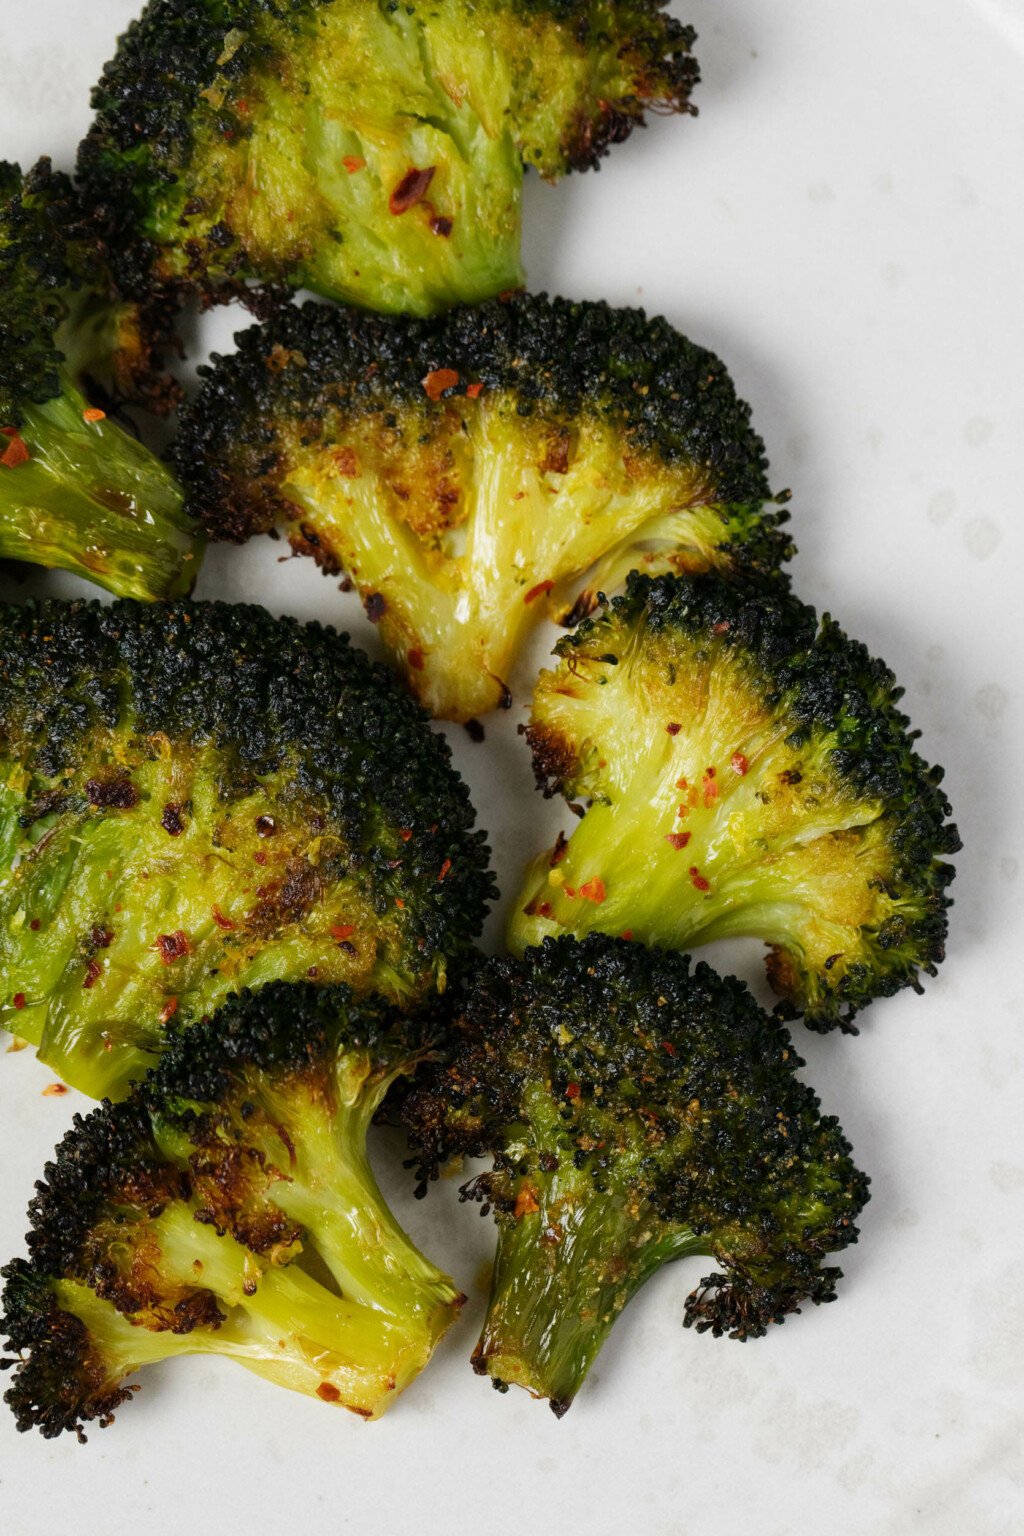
228 1207
372 153
196 798
76 491
637 1111
477 473
748 773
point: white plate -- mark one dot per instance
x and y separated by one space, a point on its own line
844 224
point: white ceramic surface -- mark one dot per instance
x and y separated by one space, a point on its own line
844 224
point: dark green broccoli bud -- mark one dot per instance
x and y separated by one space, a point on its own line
372 153
228 1207
749 773
196 798
637 1110
477 472
76 491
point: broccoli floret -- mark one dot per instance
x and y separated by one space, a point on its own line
228 1207
76 491
196 798
478 472
749 774
372 153
637 1111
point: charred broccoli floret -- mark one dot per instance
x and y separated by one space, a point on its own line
196 798
477 472
228 1207
372 153
749 773
76 491
637 1111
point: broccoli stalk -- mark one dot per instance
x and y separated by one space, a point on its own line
371 153
480 472
637 1111
197 798
749 774
76 491
228 1207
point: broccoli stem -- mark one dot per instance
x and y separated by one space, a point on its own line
564 1271
92 500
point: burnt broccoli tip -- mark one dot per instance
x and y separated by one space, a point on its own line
204 175
227 1207
748 773
637 1109
195 798
476 473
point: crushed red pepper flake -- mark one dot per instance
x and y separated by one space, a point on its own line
412 189
697 880
18 1000
93 972
168 1010
172 946
405 833
399 903
35 925
16 452
678 840
474 391
342 931
673 728
259 857
572 1091
437 381
739 764
92 415
445 867
416 659
526 1203
102 937
570 891
540 590
593 890
328 1392
627 933
54 1091
353 163
220 919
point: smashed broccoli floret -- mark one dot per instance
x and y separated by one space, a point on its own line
196 798
76 490
476 473
748 773
228 1207
637 1110
372 153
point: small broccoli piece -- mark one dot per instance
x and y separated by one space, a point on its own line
228 1207
372 153
76 491
749 774
637 1111
196 798
478 472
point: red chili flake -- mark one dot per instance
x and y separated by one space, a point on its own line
168 1010
259 857
16 451
667 1045
445 867
697 879
558 852
102 937
405 833
172 946
342 931
220 919
678 839
474 391
18 1000
710 787
441 225
570 891
673 729
526 1203
93 972
400 903
416 659
572 1091
739 764
682 783
412 189
35 925
593 890
438 380
539 590
721 628
92 415
353 163
544 909
266 826
54 1091
243 104
682 812
627 933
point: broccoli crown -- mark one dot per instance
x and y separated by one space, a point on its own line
181 1219
475 471
195 798
373 153
638 1109
750 773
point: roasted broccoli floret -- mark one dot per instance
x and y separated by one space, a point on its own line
749 774
373 153
76 491
196 798
478 472
228 1207
637 1110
